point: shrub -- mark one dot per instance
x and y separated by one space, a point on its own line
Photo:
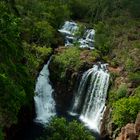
115 95
125 110
102 38
12 97
137 92
129 64
134 77
60 129
43 33
1 134
122 91
68 59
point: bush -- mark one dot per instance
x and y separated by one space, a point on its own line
43 33
115 95
122 91
1 134
12 97
79 8
137 92
125 110
68 59
102 38
129 64
60 129
134 78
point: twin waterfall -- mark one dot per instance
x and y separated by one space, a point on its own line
44 102
89 100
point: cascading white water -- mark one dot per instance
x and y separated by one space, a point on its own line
69 28
88 39
89 100
44 102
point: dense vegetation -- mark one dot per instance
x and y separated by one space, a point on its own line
60 129
28 34
72 58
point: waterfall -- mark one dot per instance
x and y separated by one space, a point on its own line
70 28
89 100
44 102
88 39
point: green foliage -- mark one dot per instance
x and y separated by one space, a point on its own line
79 8
102 38
134 78
125 110
79 33
122 91
101 10
12 97
36 22
41 18
43 33
136 44
137 92
68 59
129 64
35 56
18 66
60 129
57 12
132 6
115 95
1 134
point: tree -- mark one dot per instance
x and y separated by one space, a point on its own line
60 129
125 110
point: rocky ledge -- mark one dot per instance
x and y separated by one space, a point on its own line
131 131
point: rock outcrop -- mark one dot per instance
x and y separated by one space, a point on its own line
131 131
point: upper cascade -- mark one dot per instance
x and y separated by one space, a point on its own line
69 30
89 100
88 39
44 102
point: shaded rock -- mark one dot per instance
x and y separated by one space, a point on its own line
103 129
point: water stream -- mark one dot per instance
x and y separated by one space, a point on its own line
69 30
89 100
44 102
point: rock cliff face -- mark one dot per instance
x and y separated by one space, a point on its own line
64 91
131 131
